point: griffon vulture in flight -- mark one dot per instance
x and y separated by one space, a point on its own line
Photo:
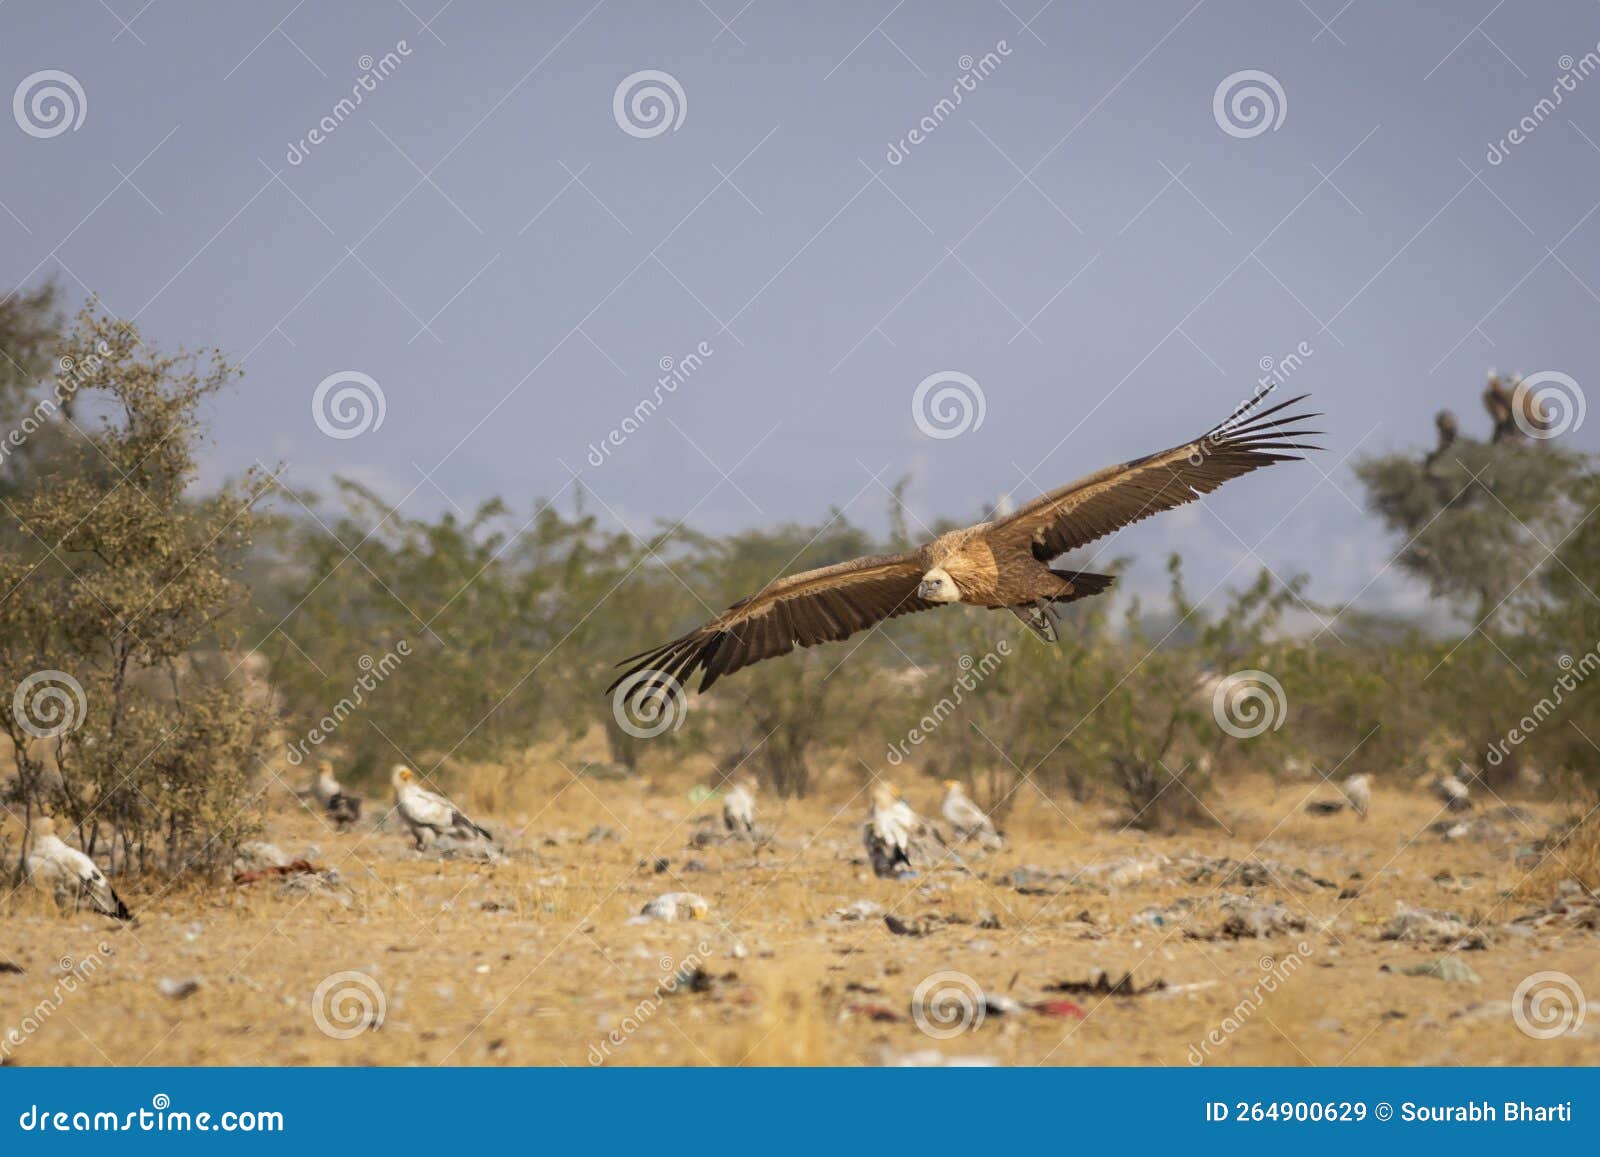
1002 564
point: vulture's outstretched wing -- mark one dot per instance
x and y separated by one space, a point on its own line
1112 498
816 606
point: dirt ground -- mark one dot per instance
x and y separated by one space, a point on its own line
532 959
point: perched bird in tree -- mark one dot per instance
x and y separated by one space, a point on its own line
966 819
739 807
70 874
1449 430
343 808
1513 411
885 834
1001 564
1358 790
424 811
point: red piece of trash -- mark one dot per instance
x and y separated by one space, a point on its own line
1059 1008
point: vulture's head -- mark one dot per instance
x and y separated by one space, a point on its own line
883 797
938 587
402 776
953 785
44 826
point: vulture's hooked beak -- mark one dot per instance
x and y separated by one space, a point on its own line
927 590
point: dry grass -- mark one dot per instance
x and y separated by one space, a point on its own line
530 961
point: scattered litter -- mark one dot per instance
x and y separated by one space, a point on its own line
1447 968
275 872
1101 984
1245 919
178 989
881 1013
671 906
855 910
934 1059
1061 1009
1440 929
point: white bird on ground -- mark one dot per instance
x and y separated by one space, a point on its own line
886 835
70 873
966 818
1358 790
1452 792
424 811
739 807
342 807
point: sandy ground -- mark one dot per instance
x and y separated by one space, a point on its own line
531 960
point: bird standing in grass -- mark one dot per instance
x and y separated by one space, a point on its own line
1453 793
70 873
424 811
966 819
739 807
886 835
1358 790
343 808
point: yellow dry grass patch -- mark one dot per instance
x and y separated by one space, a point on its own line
532 961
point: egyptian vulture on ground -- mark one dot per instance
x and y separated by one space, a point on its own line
343 808
966 819
70 874
886 834
739 807
1001 564
1452 793
423 811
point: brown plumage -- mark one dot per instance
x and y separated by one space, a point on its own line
1000 564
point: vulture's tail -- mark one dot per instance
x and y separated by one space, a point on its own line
1084 584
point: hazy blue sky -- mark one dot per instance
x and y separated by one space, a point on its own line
1080 236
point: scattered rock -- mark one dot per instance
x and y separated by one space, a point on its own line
855 910
178 989
1439 929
